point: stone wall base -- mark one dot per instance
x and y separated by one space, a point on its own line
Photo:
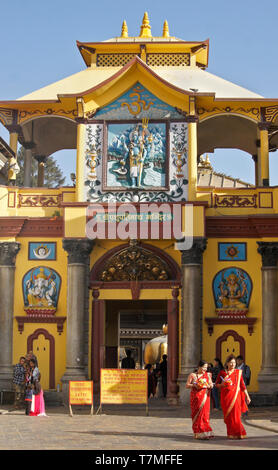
263 399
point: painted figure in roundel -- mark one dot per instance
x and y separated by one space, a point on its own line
232 289
41 289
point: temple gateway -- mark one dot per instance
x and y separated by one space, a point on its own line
148 234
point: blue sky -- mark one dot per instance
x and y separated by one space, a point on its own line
38 47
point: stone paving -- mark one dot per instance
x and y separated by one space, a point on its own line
128 428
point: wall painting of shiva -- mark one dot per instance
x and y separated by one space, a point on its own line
136 155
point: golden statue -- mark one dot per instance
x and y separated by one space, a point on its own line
156 347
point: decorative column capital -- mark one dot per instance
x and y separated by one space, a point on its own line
264 125
41 159
29 145
269 253
8 252
195 254
78 249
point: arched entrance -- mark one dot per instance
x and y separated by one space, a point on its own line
134 273
42 343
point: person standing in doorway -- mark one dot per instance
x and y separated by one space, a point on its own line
128 361
163 373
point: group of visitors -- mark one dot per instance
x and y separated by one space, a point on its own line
27 386
231 381
157 376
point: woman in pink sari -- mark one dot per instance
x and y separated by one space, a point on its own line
200 384
234 397
37 405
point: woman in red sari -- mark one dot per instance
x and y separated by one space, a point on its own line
234 396
200 384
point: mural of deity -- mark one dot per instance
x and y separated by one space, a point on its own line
232 289
136 156
41 288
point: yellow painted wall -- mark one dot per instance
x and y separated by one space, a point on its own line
253 343
211 266
20 340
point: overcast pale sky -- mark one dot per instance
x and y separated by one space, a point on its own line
38 47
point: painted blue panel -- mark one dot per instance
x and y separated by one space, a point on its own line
137 103
232 251
42 250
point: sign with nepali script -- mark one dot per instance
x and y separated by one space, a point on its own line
124 386
80 393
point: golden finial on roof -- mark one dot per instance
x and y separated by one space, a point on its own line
124 30
166 30
145 27
204 162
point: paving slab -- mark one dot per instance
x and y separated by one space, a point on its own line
130 430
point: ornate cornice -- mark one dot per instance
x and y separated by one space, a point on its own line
78 249
241 226
195 254
21 320
135 263
8 252
269 253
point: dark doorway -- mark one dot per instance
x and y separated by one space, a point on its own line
130 324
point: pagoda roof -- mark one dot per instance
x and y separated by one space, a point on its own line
189 79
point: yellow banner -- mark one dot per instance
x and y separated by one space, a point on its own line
80 393
129 386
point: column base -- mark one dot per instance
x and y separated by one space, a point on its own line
184 393
71 375
6 378
268 381
173 401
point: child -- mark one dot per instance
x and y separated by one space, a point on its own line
37 406
28 389
28 398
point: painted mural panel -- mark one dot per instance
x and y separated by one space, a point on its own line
232 288
161 173
136 155
41 287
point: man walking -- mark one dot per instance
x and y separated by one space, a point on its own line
246 372
19 383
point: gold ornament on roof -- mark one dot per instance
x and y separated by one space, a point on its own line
124 30
165 33
145 27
